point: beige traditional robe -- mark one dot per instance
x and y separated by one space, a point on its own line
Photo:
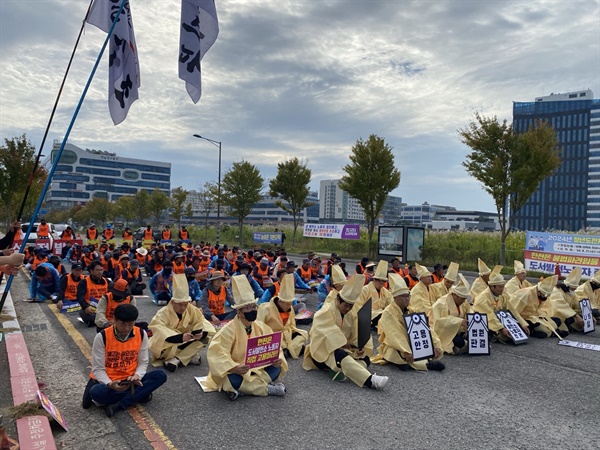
379 300
333 293
393 339
329 332
526 302
227 349
479 285
166 323
421 299
514 284
562 305
487 303
445 319
439 289
586 291
269 314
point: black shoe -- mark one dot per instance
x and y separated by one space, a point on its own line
111 410
233 395
436 365
86 403
562 333
538 334
146 399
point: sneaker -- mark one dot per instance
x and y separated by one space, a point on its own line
111 410
100 405
172 364
336 376
276 389
378 382
233 395
562 333
196 359
29 300
436 365
146 399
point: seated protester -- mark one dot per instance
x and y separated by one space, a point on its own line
376 291
316 269
262 273
178 263
193 286
88 257
361 266
109 271
119 361
519 281
338 280
369 272
273 291
133 276
91 289
411 279
394 344
179 330
118 294
160 284
448 318
279 315
123 265
56 263
494 299
591 290
214 296
67 286
156 262
44 283
227 352
421 296
528 303
141 256
438 273
75 254
235 265
65 251
333 341
246 269
306 275
220 257
396 268
564 304
481 283
114 264
204 261
40 256
299 284
442 288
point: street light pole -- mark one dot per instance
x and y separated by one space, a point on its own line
216 144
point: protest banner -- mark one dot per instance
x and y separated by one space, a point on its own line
52 410
70 306
419 336
477 334
60 243
582 345
507 320
262 351
332 231
267 238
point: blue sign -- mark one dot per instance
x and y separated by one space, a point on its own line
267 238
42 212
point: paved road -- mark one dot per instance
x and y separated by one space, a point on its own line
538 395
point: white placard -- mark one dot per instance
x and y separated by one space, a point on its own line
419 336
586 314
477 334
582 345
517 334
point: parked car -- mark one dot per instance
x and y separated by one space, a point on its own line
33 234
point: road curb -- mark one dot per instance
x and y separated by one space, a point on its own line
33 431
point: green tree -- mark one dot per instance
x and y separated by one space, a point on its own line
208 199
157 204
291 186
17 159
370 178
141 204
240 191
178 198
509 166
125 208
98 210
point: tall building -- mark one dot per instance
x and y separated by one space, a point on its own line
267 211
570 198
82 175
419 214
336 205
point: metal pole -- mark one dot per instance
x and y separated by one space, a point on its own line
219 196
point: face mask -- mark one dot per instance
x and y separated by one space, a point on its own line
250 316
166 272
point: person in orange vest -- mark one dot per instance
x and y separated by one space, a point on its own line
87 258
316 269
40 257
396 268
91 233
361 266
141 255
133 276
304 271
127 234
161 283
67 234
178 263
148 234
108 232
43 230
438 272
122 266
411 279
119 361
184 234
118 294
67 286
262 272
56 263
89 292
166 233
214 296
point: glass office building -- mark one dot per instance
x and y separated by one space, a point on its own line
82 175
570 199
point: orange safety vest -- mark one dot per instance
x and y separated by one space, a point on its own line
259 273
120 358
216 302
184 235
178 268
128 275
305 274
67 235
36 261
87 259
95 290
92 234
43 230
108 234
314 270
277 286
104 264
148 235
166 235
361 268
203 265
141 258
400 271
436 279
127 235
411 282
111 304
285 315
71 289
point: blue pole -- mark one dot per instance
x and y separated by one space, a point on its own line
62 146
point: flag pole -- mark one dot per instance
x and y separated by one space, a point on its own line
62 146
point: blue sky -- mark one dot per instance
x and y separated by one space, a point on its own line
304 79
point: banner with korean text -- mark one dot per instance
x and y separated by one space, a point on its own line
332 231
544 250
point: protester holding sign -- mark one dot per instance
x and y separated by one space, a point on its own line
227 351
448 318
519 281
394 345
422 297
179 330
481 283
279 314
333 341
591 290
492 300
375 291
528 303
564 304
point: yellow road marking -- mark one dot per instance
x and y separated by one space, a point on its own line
152 431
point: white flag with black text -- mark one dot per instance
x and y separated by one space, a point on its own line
199 31
123 64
